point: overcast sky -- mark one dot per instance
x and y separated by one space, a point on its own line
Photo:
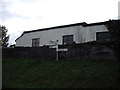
25 15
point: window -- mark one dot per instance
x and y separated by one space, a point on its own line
35 42
103 36
68 39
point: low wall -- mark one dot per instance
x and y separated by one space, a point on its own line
87 51
29 52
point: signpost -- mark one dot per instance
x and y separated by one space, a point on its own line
57 49
62 49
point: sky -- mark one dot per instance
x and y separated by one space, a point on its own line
25 15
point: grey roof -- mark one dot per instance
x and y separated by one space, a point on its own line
84 24
50 28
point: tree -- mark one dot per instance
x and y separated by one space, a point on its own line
114 29
3 36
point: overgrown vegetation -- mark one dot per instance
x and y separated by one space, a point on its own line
114 28
4 38
40 73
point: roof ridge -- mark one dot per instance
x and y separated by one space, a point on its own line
84 24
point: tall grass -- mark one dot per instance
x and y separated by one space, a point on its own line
40 73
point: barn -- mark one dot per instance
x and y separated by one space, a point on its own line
65 34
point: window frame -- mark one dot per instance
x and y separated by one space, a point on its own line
103 36
35 42
68 39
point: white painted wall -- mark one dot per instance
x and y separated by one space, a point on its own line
88 33
119 10
46 36
80 34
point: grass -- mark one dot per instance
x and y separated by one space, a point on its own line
40 73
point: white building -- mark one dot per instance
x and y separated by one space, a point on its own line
66 34
119 10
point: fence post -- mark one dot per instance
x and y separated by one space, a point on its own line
56 52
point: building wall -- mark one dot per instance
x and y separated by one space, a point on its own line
46 36
119 10
87 34
81 34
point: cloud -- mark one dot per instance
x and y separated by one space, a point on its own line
18 8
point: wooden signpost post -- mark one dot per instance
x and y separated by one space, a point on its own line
57 49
